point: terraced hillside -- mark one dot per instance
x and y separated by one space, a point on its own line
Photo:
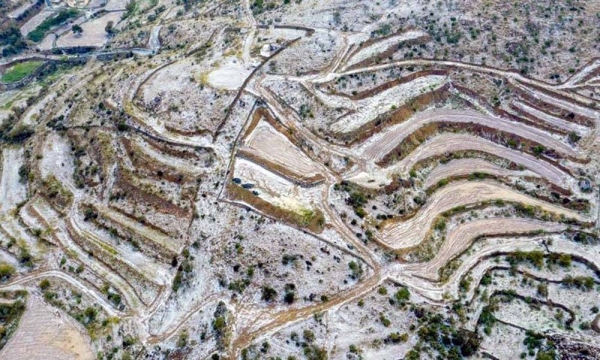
300 179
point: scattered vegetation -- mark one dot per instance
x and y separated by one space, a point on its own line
184 270
439 334
219 325
11 40
39 32
10 314
54 191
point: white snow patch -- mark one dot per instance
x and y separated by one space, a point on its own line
58 161
12 191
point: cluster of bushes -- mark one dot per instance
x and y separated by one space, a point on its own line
585 238
268 294
11 39
290 294
310 349
10 313
57 195
184 270
289 259
396 337
219 325
585 283
260 6
537 344
239 285
562 260
535 258
356 199
112 296
355 269
39 32
88 317
438 333
130 9
11 132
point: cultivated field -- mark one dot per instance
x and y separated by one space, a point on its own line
45 332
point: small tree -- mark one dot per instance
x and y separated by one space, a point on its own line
268 293
6 271
109 27
44 284
77 30
129 9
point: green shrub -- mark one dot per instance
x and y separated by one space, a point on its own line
39 32
44 284
384 320
308 336
268 293
356 269
402 295
6 271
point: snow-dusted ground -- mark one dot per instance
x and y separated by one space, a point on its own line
461 237
383 45
276 189
551 120
12 189
269 144
230 74
183 100
58 161
448 143
381 144
368 109
462 167
93 32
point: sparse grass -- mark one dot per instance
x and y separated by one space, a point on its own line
313 220
56 193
